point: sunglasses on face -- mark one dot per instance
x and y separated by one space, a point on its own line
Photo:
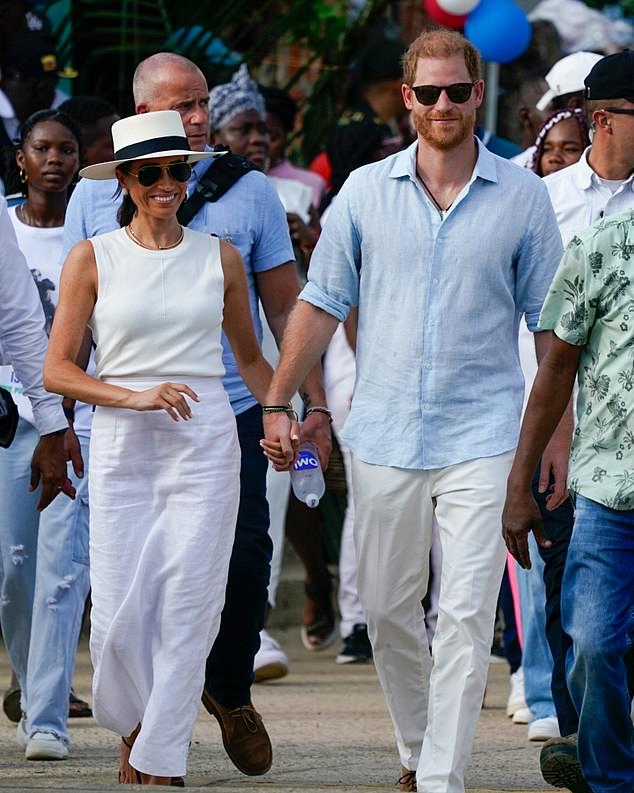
150 174
624 111
430 94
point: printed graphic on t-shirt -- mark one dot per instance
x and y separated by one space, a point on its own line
45 287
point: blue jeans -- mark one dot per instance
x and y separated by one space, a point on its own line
537 660
44 601
598 613
229 672
62 583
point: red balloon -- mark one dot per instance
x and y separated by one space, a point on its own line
438 14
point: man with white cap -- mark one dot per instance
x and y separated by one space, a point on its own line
250 216
565 89
600 184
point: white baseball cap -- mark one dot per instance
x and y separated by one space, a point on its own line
567 76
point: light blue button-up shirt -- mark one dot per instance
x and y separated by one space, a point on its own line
249 215
440 301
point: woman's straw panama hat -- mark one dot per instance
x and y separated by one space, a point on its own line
145 137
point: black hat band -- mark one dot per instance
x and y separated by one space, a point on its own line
152 146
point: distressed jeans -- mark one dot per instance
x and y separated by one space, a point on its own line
42 604
597 601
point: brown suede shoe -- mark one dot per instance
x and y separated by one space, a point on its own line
244 736
407 780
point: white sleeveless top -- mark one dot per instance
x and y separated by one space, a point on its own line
158 313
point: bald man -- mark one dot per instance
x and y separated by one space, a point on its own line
251 217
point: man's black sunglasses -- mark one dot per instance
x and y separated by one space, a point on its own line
624 111
430 94
150 174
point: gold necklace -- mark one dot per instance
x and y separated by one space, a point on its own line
133 236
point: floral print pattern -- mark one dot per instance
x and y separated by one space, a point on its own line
591 304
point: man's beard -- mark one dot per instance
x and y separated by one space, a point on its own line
441 137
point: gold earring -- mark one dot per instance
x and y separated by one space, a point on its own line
24 177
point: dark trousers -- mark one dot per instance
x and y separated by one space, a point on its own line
229 672
558 529
558 526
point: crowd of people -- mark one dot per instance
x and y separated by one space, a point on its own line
416 286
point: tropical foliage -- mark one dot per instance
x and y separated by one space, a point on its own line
305 45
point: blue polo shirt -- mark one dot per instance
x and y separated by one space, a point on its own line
249 215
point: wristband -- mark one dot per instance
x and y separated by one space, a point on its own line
69 413
319 409
266 409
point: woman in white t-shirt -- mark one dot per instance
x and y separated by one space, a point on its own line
47 158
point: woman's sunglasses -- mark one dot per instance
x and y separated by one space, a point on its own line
150 174
430 94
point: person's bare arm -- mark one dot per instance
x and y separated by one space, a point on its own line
278 289
308 332
62 374
554 461
547 403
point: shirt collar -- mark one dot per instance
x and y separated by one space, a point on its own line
585 177
404 163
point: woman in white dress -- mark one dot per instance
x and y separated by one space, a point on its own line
164 478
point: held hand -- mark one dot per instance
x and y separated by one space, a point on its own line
166 396
520 516
48 469
301 234
73 451
281 440
316 428
554 468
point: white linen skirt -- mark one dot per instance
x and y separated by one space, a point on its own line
163 507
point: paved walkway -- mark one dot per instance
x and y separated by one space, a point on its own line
330 732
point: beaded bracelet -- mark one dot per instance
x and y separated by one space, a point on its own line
319 409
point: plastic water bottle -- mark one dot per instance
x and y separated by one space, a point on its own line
306 476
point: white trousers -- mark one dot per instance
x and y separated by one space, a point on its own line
434 707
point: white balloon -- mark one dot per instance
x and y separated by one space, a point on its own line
458 7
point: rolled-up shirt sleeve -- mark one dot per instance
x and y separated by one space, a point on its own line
23 341
538 258
335 266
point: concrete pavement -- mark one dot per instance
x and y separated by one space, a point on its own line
330 732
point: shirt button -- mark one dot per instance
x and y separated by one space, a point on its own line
435 280
428 365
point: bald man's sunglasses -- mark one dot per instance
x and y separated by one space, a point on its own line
150 174
430 94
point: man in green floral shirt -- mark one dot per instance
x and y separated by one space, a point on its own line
590 309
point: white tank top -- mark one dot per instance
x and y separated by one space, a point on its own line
158 313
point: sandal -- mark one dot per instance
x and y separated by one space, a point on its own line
177 781
322 631
77 708
12 705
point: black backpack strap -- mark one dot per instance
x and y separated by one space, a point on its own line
221 175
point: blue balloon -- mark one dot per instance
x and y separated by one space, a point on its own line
499 29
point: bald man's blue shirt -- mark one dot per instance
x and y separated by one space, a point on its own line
249 215
438 374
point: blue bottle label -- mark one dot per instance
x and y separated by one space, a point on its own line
306 461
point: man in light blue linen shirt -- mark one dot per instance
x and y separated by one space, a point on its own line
251 217
443 247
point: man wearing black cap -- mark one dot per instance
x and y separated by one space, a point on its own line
599 185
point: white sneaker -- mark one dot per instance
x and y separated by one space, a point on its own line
516 700
543 729
270 662
46 746
522 716
21 734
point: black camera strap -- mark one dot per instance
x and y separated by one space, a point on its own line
221 175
